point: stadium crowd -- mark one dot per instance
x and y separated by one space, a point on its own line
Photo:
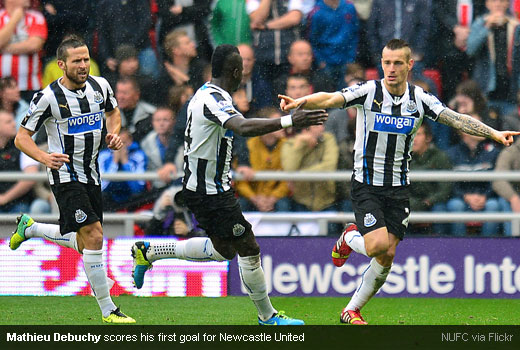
156 54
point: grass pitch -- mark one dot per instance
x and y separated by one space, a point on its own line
83 310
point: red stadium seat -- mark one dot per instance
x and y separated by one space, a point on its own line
435 76
371 74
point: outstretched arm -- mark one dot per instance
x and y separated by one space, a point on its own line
472 126
319 100
261 126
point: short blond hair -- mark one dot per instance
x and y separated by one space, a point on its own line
172 40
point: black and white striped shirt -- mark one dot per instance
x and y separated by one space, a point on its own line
207 144
385 129
73 121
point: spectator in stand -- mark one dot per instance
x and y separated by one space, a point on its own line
473 153
15 197
494 43
11 100
509 192
230 23
183 66
178 96
258 90
512 120
454 19
127 59
428 196
190 16
125 22
22 35
469 99
66 16
409 20
339 118
156 142
265 155
363 9
130 158
312 149
171 217
52 71
297 85
300 58
135 113
242 104
354 71
333 31
275 25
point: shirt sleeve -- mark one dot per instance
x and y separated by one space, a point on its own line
431 105
218 109
38 27
26 161
252 5
39 111
295 5
356 94
111 99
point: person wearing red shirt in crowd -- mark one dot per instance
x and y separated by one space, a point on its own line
22 35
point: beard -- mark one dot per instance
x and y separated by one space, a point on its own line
76 79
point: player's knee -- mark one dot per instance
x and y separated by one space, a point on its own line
222 252
377 247
251 262
225 255
248 247
92 236
387 258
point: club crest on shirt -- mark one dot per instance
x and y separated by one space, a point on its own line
238 230
80 216
98 97
369 220
411 107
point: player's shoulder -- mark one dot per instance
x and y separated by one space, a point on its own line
213 94
421 93
209 88
92 79
37 16
44 95
360 88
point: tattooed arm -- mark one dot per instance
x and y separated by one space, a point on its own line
472 126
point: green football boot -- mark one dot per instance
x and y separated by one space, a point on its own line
22 223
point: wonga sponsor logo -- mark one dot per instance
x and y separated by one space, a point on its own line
84 123
393 124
